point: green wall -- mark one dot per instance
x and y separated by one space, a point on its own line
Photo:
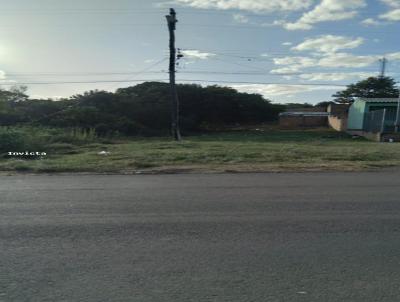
359 108
356 115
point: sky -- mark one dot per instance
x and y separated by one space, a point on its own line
286 50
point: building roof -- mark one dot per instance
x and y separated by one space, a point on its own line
379 100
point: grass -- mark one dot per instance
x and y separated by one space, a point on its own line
240 151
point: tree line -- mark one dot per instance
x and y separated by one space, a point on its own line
145 108
140 109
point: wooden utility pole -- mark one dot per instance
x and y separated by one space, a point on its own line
171 19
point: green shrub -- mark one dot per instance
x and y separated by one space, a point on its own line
75 136
11 140
21 139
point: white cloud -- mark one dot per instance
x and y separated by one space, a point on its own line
287 44
270 90
394 56
328 60
370 22
393 15
336 76
325 53
293 64
257 6
287 70
329 43
196 54
2 75
347 60
42 97
392 3
240 18
327 10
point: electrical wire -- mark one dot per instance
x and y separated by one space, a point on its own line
182 80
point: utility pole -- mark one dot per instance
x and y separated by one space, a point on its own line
171 19
397 122
383 66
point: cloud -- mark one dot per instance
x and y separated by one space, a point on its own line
347 60
327 10
257 6
330 60
270 90
42 97
240 18
370 22
336 76
287 44
4 80
196 54
393 15
329 43
394 56
392 3
325 53
293 64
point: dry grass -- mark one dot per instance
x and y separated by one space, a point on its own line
242 151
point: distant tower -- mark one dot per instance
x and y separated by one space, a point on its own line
383 62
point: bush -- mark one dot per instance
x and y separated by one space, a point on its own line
75 136
11 140
21 139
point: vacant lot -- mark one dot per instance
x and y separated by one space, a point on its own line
257 150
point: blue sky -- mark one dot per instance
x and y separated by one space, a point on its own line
287 50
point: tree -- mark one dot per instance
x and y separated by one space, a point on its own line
8 100
373 87
14 94
142 109
324 104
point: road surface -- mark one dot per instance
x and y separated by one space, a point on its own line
243 237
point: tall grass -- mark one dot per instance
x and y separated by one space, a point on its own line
36 139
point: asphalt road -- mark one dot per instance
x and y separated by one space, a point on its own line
244 237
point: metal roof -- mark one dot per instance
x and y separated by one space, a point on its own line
379 100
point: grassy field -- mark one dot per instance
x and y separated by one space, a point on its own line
241 151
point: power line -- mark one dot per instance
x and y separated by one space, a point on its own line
81 82
241 72
265 83
192 11
264 55
144 70
80 74
161 80
199 25
240 64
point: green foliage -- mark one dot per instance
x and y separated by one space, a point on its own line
14 94
298 105
373 87
11 140
141 110
75 136
32 139
324 104
23 139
